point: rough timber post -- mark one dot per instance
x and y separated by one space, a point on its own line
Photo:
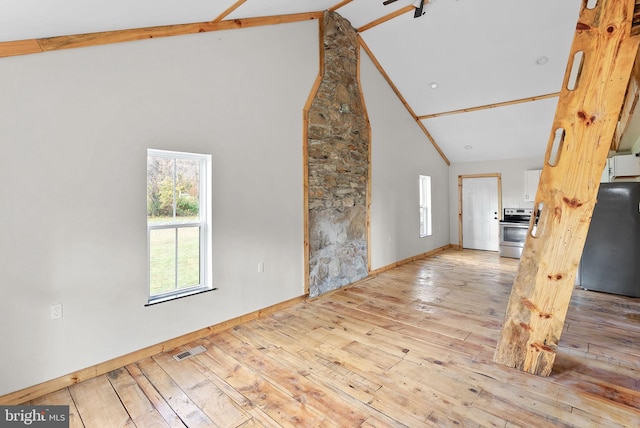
568 187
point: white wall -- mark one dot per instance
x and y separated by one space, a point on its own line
74 129
400 152
512 174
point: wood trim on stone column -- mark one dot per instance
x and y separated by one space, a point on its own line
305 152
568 187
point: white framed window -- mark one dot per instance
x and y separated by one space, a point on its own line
424 185
178 224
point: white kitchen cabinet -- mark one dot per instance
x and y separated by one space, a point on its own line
531 180
625 166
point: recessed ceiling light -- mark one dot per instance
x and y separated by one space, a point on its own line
468 147
542 60
433 85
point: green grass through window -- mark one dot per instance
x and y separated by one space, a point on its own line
163 261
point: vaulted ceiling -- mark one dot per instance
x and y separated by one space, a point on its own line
481 75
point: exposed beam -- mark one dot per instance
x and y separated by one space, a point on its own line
305 155
20 47
339 5
402 100
230 9
568 187
386 18
106 37
489 106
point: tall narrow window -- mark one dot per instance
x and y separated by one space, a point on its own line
178 224
425 205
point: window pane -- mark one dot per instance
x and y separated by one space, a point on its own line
187 189
188 256
425 205
160 189
162 260
177 197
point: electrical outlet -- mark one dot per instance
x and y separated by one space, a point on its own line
56 311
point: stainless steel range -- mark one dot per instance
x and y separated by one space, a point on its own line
513 231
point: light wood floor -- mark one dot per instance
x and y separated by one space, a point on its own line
411 347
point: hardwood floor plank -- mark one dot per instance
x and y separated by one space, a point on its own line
190 414
324 371
258 417
409 347
281 407
135 402
61 398
423 334
154 397
220 408
300 388
98 404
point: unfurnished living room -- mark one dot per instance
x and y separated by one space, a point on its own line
320 213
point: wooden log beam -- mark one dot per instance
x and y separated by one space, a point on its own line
23 47
19 47
490 106
568 187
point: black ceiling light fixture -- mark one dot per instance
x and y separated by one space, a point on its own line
418 4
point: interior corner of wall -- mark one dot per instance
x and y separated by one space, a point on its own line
636 147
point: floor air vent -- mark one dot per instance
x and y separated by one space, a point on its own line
190 353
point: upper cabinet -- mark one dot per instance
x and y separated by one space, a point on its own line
625 166
531 180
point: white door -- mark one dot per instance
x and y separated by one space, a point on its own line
480 228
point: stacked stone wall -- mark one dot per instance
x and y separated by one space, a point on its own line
338 165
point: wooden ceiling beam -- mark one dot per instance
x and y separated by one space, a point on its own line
339 5
490 106
228 11
19 47
386 18
23 47
588 113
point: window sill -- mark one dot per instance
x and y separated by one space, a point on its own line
162 299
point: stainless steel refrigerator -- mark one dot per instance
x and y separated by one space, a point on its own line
611 257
